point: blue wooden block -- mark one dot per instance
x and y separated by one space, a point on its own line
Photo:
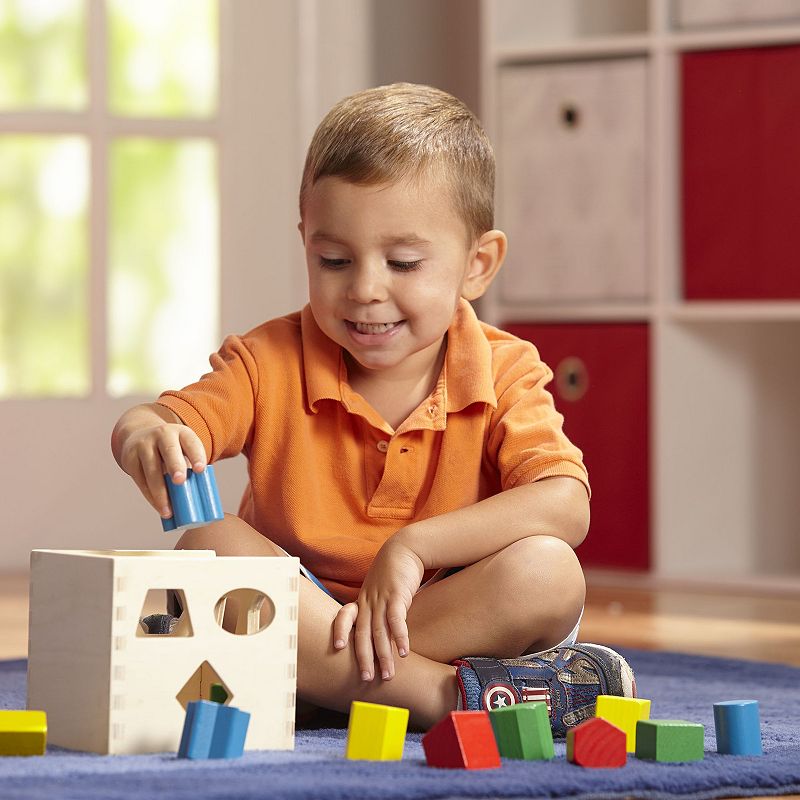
738 728
194 502
229 733
198 729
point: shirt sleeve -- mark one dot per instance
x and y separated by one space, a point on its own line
526 441
220 407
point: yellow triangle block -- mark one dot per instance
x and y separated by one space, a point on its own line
376 732
624 712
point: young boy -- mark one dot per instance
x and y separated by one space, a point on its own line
407 453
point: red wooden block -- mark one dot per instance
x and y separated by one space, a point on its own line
596 743
462 740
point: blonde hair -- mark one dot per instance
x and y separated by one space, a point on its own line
401 131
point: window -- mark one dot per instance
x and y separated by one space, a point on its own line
109 198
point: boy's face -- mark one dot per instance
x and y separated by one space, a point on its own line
386 267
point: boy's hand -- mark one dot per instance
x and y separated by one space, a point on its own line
151 452
380 613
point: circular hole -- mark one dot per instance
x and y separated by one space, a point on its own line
244 612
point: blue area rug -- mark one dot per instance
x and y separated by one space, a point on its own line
680 686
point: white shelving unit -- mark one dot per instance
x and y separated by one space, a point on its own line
725 376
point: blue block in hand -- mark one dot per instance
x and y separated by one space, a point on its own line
738 728
194 502
229 733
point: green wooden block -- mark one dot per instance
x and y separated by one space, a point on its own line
669 740
523 731
218 693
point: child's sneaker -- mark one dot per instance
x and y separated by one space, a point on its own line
567 678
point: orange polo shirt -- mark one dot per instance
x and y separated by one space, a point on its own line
329 479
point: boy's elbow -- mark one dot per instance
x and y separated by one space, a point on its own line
576 517
579 524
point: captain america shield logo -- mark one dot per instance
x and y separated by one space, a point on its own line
499 695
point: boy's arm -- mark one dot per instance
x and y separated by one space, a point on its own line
557 506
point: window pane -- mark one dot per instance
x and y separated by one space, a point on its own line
164 264
163 57
44 327
42 54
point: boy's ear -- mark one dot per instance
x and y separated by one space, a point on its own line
485 260
302 230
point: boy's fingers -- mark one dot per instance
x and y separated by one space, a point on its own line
193 448
138 478
154 476
396 617
383 648
365 655
173 458
343 624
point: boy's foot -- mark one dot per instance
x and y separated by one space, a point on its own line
567 678
158 624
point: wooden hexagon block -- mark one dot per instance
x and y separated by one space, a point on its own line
523 731
596 743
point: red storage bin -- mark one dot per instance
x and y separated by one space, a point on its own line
741 174
601 388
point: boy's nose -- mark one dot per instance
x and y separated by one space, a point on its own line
367 284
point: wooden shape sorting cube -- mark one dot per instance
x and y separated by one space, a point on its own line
462 740
94 676
523 731
669 740
23 733
738 728
376 732
596 743
624 712
194 502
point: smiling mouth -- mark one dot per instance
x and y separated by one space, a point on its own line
374 327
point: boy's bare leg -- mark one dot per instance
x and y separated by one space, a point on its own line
524 599
325 676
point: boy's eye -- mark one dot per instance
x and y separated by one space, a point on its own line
332 263
405 266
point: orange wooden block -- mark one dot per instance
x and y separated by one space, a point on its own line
462 740
597 743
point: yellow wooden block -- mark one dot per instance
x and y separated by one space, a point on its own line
624 712
23 733
376 732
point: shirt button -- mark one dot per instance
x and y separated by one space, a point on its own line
383 445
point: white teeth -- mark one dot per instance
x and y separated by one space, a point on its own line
374 327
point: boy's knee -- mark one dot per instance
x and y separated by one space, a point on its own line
231 536
545 567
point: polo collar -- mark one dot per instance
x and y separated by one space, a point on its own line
468 363
466 378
